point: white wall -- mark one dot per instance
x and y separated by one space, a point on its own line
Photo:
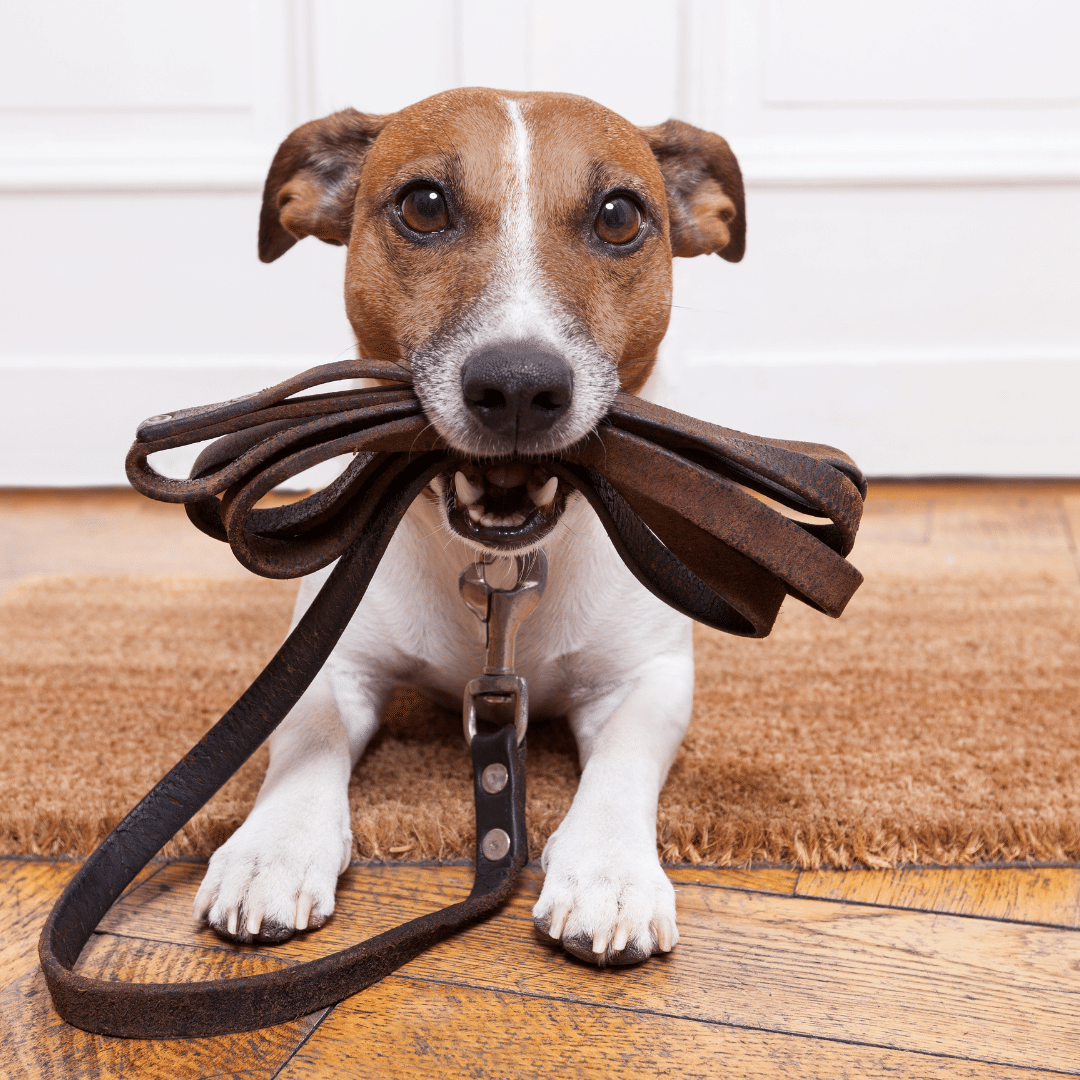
910 291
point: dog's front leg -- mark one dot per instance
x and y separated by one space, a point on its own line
278 872
605 896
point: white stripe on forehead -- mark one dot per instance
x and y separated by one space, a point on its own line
517 237
518 155
525 309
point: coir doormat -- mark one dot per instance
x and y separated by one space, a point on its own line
937 722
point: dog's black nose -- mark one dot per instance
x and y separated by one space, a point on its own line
517 388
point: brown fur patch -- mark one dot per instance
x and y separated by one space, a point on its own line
400 293
581 152
699 169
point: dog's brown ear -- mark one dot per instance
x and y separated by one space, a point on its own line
312 182
704 190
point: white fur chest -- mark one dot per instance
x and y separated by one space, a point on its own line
593 627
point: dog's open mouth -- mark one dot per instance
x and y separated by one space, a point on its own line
503 504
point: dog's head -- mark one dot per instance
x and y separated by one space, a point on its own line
514 252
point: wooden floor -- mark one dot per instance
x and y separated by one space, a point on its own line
912 973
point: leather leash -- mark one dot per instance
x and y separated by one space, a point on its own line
669 490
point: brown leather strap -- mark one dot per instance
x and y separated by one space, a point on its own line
726 558
670 490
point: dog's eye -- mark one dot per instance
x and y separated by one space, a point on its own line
424 210
619 220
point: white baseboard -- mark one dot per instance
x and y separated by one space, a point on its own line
70 424
958 414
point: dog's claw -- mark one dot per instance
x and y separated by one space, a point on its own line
558 921
664 936
582 948
621 911
618 952
274 877
303 910
254 921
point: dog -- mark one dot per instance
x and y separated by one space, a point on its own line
514 252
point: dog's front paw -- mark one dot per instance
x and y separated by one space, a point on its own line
272 878
606 902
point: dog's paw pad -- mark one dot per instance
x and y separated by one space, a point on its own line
582 947
273 933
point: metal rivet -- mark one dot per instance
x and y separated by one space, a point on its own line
158 419
495 845
493 778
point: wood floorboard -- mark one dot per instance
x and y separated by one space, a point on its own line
104 531
1070 510
1046 895
770 983
407 1028
767 879
1027 528
914 981
28 889
36 1043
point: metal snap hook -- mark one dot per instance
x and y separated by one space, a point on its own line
499 694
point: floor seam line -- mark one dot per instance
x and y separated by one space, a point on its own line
938 911
305 1040
1070 537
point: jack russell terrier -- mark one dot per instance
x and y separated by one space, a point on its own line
514 252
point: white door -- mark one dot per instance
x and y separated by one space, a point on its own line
910 290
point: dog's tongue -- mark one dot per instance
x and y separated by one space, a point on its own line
510 474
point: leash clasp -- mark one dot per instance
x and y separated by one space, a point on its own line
499 695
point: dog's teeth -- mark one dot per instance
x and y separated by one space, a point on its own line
466 493
545 495
476 512
499 521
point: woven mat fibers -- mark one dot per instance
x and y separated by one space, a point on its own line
937 722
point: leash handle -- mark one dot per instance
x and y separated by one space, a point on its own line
217 1007
225 1006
